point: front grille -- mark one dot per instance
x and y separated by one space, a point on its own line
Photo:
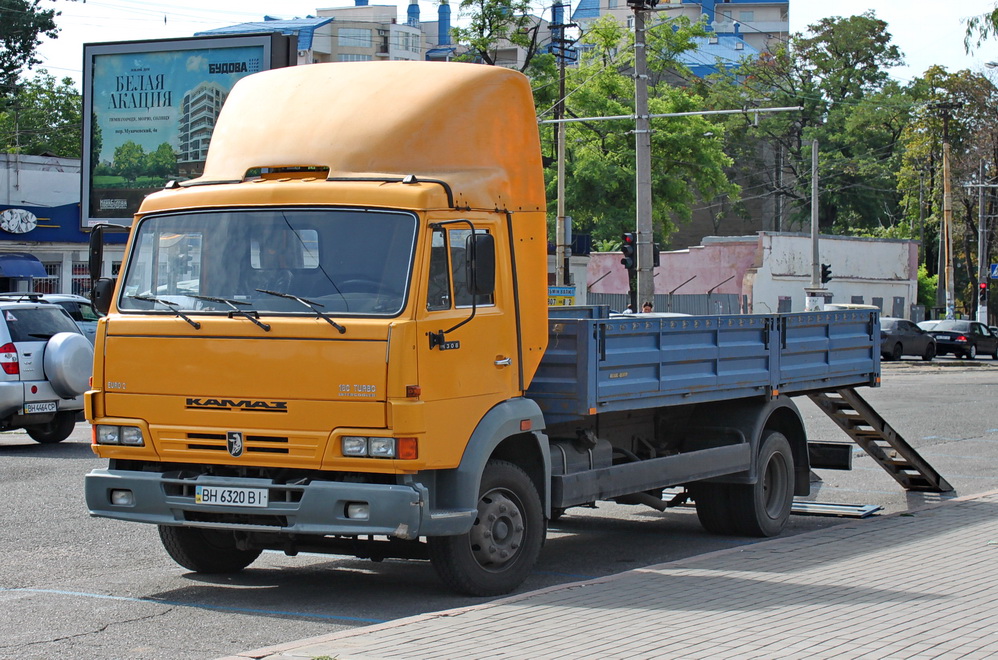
261 444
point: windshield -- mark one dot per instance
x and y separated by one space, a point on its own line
347 262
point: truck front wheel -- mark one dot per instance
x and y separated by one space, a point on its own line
499 552
762 508
205 550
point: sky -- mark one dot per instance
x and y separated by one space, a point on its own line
927 31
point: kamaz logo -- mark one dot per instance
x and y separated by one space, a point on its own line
237 404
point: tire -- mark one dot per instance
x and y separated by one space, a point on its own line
930 353
763 508
994 356
57 430
897 352
205 550
971 353
713 503
501 548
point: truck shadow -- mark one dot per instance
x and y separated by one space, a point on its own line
27 447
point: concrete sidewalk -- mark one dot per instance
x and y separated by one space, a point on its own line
922 584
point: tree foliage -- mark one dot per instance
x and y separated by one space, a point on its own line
837 75
43 117
980 28
22 25
687 158
496 26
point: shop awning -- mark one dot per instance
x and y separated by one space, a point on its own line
18 264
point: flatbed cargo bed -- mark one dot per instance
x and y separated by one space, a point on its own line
599 363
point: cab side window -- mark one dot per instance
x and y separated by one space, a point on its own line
448 281
438 289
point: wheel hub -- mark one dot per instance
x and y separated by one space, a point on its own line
497 535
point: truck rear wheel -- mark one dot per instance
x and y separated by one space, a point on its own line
205 550
762 508
499 552
714 507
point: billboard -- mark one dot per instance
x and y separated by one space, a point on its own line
150 109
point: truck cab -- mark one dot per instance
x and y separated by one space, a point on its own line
303 340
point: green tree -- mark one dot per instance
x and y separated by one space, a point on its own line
22 25
927 285
496 29
162 162
973 137
980 28
129 160
687 158
43 117
837 75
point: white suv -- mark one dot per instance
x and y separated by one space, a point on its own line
45 367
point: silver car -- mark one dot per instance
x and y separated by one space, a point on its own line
45 367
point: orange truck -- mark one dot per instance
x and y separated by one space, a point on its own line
337 340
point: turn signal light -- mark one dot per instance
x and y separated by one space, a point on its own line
408 449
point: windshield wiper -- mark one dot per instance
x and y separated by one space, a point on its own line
252 316
174 307
311 304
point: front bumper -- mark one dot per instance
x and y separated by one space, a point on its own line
316 508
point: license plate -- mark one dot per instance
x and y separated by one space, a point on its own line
255 497
39 407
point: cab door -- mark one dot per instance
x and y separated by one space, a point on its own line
466 345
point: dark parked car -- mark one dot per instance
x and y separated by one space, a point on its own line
964 338
902 337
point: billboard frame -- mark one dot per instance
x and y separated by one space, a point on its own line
278 51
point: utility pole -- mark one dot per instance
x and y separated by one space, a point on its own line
562 243
642 153
813 298
947 235
982 255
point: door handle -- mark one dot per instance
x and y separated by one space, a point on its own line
504 362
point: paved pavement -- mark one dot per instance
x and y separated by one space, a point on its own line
920 584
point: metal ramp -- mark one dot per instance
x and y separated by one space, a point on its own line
871 432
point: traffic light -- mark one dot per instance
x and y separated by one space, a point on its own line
826 273
655 258
982 293
629 248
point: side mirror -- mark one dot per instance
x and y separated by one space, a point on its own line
481 250
96 263
101 294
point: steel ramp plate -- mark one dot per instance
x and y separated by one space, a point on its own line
842 510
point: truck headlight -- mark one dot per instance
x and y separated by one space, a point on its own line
354 445
382 447
132 435
373 447
108 434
